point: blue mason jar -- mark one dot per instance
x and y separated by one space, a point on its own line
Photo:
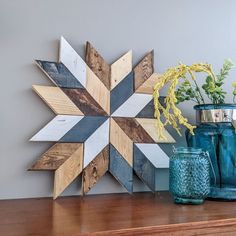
189 175
215 133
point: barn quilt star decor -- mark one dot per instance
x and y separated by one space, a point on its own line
104 120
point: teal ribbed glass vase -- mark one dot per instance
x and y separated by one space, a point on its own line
215 132
189 175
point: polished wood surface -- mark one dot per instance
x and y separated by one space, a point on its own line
115 214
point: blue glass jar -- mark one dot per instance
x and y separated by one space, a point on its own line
216 134
189 175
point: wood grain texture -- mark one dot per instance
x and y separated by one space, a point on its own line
58 74
56 128
122 143
133 130
56 99
225 227
116 214
122 92
147 86
85 102
67 172
95 170
74 63
98 65
55 156
144 169
121 68
121 169
83 129
98 90
144 69
149 125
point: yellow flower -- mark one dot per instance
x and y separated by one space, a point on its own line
171 113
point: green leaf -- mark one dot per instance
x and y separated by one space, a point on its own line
208 79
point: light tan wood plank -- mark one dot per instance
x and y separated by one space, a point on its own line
95 170
67 172
121 68
55 156
56 99
150 126
148 85
98 90
121 141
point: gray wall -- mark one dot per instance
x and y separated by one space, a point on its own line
184 30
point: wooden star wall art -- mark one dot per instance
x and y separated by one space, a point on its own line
104 120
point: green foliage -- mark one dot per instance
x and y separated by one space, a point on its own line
234 91
213 88
186 92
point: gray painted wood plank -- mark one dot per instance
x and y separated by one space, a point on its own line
120 169
144 169
148 110
59 74
83 129
122 92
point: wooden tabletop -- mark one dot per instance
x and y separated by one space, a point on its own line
115 214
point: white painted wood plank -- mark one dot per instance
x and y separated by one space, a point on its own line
56 128
133 105
96 142
74 63
155 154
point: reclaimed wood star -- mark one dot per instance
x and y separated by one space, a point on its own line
104 120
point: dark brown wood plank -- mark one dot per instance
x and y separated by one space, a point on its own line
98 65
115 214
55 156
85 102
95 170
144 69
133 130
